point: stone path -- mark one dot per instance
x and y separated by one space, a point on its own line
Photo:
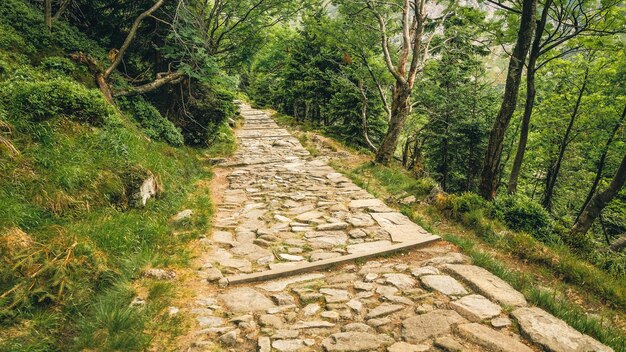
281 209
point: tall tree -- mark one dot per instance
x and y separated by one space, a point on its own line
491 166
413 52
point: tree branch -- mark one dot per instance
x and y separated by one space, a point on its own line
162 79
129 38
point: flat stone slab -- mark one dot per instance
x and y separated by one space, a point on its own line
280 285
246 299
366 203
487 284
367 246
384 310
400 227
355 341
553 334
426 326
491 339
401 281
444 284
476 307
326 239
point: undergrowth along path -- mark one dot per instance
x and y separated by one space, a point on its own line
281 209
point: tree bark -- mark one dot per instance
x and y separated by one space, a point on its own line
170 78
129 38
412 55
94 68
601 163
368 142
64 5
48 14
489 177
400 107
618 245
553 172
531 71
599 202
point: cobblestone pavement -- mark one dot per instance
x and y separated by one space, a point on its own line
282 208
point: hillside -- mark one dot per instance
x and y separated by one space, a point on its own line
74 171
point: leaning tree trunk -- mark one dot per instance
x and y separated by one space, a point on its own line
599 202
400 109
491 168
601 163
553 173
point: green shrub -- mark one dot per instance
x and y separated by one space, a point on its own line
43 100
465 203
28 23
520 213
58 64
154 124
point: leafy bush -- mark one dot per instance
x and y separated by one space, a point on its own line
39 101
58 64
29 25
154 124
521 213
464 203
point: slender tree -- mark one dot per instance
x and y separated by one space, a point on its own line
599 201
491 165
602 162
555 167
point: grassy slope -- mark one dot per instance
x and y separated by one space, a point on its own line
550 277
71 251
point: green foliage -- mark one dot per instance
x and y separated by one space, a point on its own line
43 100
464 203
520 213
19 19
154 124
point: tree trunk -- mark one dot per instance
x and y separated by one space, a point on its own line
601 163
94 68
170 78
553 173
599 202
366 136
400 108
48 14
531 71
491 168
64 5
618 245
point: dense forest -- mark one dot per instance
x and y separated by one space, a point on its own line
513 111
